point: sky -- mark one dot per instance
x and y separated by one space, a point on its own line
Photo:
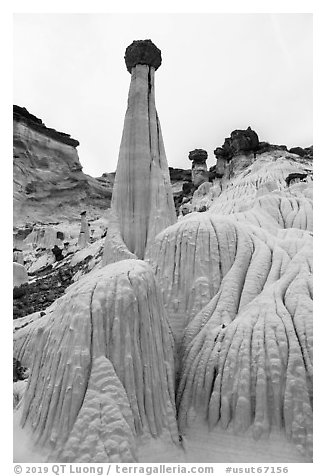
219 72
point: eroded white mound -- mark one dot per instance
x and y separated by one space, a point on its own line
102 368
238 291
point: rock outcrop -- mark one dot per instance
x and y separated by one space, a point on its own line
239 141
49 184
142 195
307 152
245 144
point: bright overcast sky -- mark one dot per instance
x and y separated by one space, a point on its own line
219 72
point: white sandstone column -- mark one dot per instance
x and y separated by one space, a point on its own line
142 195
199 172
83 238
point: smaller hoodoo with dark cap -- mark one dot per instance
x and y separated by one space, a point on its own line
199 172
142 195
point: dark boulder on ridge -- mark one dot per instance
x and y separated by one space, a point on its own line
240 141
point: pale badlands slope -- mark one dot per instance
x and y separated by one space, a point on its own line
224 304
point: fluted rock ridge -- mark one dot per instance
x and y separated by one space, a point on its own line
250 368
237 287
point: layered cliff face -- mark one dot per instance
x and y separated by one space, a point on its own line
49 184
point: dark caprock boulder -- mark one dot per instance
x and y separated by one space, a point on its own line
197 156
142 52
199 173
240 141
244 140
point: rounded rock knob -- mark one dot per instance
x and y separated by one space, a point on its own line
142 52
